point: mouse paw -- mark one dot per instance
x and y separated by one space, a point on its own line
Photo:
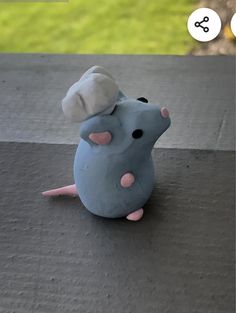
135 216
127 180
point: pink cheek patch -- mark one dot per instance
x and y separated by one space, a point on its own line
127 180
164 112
101 138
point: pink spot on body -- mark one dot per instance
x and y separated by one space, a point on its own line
164 112
127 180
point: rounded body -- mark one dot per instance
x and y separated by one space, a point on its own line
97 177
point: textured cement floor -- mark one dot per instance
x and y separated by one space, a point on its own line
198 91
57 257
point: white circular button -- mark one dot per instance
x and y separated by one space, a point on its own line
233 24
204 24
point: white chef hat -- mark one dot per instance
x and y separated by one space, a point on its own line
96 92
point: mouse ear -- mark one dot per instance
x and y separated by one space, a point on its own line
96 92
99 129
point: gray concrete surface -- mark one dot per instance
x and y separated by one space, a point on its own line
199 91
57 257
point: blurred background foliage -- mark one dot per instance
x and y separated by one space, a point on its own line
97 26
110 26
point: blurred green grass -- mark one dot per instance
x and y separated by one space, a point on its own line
92 26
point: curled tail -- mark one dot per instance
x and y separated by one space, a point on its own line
62 191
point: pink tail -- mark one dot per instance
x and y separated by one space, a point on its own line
66 190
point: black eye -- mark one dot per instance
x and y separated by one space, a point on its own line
137 133
142 99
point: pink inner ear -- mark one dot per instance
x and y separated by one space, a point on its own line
101 138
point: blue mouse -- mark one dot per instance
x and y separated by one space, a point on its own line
113 167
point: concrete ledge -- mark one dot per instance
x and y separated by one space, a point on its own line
199 91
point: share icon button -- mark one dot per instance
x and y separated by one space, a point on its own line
204 24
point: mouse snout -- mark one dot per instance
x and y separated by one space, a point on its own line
164 112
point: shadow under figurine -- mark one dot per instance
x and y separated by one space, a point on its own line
113 167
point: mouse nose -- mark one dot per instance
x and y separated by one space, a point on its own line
164 112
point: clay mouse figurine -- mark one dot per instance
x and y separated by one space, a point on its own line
113 167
